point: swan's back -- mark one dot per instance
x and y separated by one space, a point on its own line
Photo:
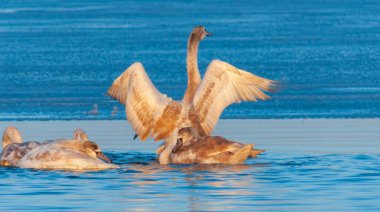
191 148
209 150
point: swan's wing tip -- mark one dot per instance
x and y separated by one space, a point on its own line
274 86
113 94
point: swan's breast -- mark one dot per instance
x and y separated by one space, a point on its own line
184 157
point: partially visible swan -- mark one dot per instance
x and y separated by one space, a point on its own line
13 147
208 150
66 154
153 114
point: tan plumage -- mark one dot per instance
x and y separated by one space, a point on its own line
146 106
80 135
153 114
11 135
209 149
222 85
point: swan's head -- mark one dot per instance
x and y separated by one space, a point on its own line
187 134
200 33
11 135
92 150
80 135
88 148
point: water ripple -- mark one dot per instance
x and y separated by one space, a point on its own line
273 181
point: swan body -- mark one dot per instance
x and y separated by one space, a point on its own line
209 149
153 114
63 154
66 155
13 148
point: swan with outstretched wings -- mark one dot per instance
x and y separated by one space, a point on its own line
153 114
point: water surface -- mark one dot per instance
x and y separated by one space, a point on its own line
272 182
309 165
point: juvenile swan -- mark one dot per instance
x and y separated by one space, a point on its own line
67 154
153 114
210 149
13 148
77 154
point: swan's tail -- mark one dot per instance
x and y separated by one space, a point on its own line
242 154
255 152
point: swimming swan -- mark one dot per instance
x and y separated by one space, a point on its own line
191 148
64 154
13 147
67 155
153 114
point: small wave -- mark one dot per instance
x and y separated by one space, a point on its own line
52 9
354 89
363 157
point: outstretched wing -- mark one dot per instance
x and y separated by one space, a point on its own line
151 113
222 85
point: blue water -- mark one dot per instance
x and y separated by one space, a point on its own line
309 165
57 58
285 182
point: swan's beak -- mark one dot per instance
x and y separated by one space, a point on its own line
103 157
134 137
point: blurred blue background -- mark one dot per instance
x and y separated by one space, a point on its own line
57 58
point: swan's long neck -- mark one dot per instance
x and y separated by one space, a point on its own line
193 75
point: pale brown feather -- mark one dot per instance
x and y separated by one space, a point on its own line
118 89
211 149
223 85
151 113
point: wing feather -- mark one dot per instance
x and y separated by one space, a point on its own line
119 87
145 107
224 84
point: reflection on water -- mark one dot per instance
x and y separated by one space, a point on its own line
273 181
